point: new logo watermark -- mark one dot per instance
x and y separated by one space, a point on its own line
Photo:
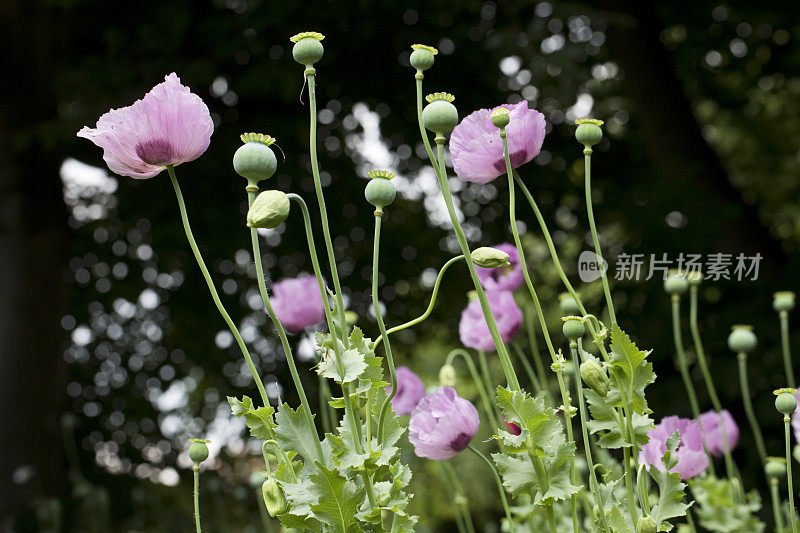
590 266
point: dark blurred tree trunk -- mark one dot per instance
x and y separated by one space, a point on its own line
674 141
33 248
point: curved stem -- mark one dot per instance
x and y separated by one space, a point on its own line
776 504
212 289
499 484
787 432
376 306
787 355
196 469
748 408
590 214
476 379
287 349
682 363
431 304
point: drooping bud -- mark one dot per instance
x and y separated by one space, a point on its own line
567 305
588 132
785 403
573 327
269 210
447 376
255 160
595 376
500 117
775 467
440 115
646 524
274 498
742 339
198 451
783 301
380 191
307 48
676 283
422 56
488 257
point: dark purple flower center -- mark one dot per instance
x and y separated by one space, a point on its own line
156 152
460 442
517 159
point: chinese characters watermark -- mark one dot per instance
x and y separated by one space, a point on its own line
713 267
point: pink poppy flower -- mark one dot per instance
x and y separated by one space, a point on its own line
442 425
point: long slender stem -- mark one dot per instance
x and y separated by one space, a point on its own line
587 153
776 504
485 372
376 306
523 359
324 406
787 432
530 327
682 363
551 518
478 382
431 304
744 385
212 289
787 355
196 469
499 484
463 504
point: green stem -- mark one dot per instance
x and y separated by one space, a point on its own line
499 484
587 152
212 289
376 306
682 363
748 408
787 432
262 511
626 457
787 355
287 349
530 327
551 518
776 504
196 469
537 386
485 372
461 495
431 304
476 379
324 406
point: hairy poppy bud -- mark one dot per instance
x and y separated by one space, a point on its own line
447 376
593 375
488 257
274 498
646 524
269 210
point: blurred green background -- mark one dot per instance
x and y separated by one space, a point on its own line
111 352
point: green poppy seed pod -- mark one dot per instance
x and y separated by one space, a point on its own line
695 278
676 283
646 524
198 451
593 375
440 115
775 467
500 117
380 191
269 210
488 257
255 160
573 328
447 376
423 56
742 339
783 301
567 305
588 132
307 48
274 498
785 402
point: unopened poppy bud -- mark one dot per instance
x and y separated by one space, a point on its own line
676 283
307 48
488 257
380 191
742 339
422 56
198 451
440 115
785 403
255 160
593 375
783 301
573 328
447 376
269 210
775 467
646 524
500 117
274 498
567 305
588 132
